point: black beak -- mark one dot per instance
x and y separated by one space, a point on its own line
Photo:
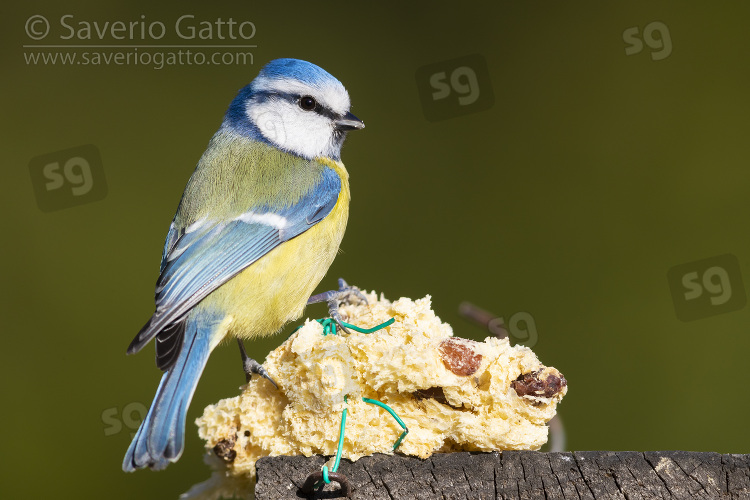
349 122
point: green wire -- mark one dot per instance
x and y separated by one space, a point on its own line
370 330
339 449
341 441
329 328
393 414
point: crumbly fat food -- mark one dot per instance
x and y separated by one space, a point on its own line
453 394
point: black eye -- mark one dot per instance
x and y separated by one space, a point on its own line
307 103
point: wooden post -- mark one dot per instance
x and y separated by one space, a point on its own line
580 475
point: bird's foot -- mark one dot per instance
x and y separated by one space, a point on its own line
344 295
250 366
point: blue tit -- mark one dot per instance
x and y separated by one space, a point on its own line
257 228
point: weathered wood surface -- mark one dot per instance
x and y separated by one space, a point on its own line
581 475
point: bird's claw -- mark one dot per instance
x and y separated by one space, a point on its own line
335 298
250 366
344 295
333 311
346 292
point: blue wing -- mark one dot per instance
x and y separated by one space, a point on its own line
208 253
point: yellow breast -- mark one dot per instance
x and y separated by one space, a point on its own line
274 290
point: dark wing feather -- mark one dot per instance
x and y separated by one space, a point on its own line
168 344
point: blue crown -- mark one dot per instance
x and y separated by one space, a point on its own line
296 69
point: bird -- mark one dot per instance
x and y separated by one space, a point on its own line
258 225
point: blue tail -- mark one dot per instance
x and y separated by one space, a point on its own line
161 436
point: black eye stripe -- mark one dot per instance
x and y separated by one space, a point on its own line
294 99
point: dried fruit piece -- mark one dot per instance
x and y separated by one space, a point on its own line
459 357
224 449
544 383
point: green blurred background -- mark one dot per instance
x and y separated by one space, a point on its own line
586 178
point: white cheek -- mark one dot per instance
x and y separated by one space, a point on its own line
269 118
308 134
302 132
